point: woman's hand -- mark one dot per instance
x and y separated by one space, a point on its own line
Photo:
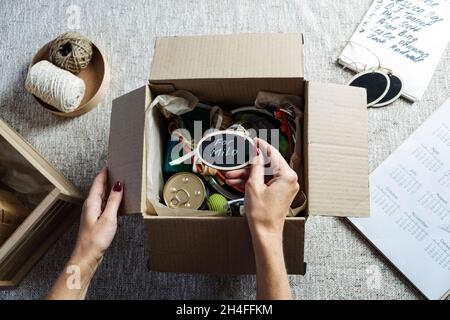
98 224
98 227
269 193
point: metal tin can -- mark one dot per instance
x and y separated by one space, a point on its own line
185 190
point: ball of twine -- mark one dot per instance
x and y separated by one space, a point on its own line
57 87
71 51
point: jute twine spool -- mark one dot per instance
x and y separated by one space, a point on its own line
57 87
71 51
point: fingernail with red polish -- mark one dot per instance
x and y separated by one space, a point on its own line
117 187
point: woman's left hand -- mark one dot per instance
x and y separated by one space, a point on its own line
98 224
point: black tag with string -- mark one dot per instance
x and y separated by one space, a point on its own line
395 91
376 83
382 86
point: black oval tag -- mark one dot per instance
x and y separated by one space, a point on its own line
225 150
375 82
395 91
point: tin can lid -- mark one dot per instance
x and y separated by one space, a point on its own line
184 190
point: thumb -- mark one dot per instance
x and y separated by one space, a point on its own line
256 175
114 200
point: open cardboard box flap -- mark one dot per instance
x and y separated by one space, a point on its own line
228 69
126 161
337 169
211 67
240 56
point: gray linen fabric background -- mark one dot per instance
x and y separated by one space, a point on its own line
339 260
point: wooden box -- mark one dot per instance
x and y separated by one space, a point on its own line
37 204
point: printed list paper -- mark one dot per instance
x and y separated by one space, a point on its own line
408 37
410 207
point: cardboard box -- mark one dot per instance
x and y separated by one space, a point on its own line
230 70
57 207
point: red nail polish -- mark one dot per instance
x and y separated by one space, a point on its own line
117 187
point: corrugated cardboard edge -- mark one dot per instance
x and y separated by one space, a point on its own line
126 161
37 161
337 144
219 245
233 56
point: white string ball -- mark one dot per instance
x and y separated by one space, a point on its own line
55 86
71 51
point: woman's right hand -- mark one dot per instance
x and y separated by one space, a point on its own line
269 192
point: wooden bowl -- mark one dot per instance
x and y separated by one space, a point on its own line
96 77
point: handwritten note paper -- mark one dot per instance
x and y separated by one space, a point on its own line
407 36
410 207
